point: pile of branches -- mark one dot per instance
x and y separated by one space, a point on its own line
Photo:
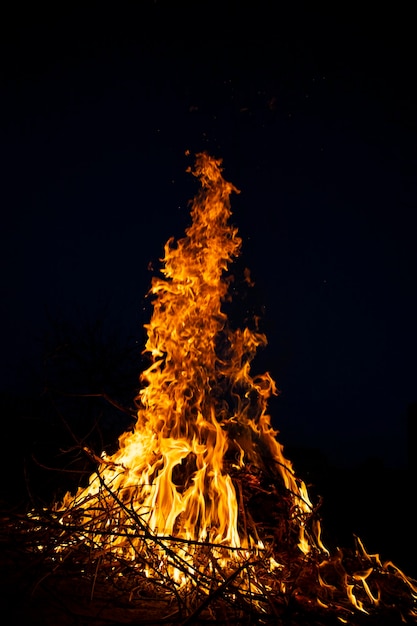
68 573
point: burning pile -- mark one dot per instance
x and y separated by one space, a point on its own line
198 510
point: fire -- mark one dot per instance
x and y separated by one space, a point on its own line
201 413
178 499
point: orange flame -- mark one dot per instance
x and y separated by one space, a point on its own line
200 410
202 429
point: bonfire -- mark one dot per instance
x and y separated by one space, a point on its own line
199 517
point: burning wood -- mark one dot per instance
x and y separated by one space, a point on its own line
198 512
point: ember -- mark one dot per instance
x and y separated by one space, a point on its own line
198 511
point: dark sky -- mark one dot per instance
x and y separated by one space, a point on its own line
313 111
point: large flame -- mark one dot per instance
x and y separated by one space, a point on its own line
203 443
201 413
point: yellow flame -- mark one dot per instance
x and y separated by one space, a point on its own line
172 470
203 424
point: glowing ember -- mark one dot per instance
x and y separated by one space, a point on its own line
182 499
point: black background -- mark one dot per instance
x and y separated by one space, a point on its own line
312 108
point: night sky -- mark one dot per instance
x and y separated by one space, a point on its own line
313 111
